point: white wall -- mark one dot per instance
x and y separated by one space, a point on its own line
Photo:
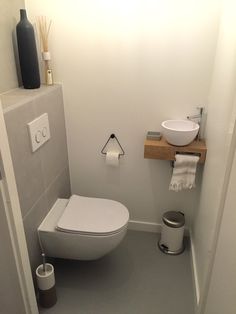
221 117
126 66
222 290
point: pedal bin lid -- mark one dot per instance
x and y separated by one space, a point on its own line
173 219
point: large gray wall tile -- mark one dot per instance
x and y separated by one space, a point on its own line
60 188
27 165
54 154
31 222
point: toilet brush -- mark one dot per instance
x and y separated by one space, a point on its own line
44 262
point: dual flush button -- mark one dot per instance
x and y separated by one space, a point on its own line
39 131
40 135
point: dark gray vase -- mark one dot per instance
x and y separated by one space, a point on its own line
27 52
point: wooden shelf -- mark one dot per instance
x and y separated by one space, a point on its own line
162 150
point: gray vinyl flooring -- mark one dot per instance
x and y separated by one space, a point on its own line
136 278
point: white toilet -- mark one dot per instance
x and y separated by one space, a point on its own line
83 228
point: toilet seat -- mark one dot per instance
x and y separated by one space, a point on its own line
93 216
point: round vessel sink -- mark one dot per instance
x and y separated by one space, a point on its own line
179 132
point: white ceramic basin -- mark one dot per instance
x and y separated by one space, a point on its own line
179 132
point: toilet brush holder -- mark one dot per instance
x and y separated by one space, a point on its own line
46 285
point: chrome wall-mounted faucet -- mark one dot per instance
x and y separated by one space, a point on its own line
198 117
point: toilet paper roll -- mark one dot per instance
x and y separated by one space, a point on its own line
112 158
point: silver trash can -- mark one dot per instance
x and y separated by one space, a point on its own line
172 233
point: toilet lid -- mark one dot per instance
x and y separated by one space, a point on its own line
93 215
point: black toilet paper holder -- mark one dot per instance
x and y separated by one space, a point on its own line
113 136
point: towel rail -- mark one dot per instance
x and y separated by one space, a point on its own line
188 153
172 162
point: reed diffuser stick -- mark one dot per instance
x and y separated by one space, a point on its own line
44 29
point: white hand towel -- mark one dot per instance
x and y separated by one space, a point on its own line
184 172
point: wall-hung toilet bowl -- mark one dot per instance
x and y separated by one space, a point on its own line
83 228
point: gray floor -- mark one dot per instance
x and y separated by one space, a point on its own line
136 278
